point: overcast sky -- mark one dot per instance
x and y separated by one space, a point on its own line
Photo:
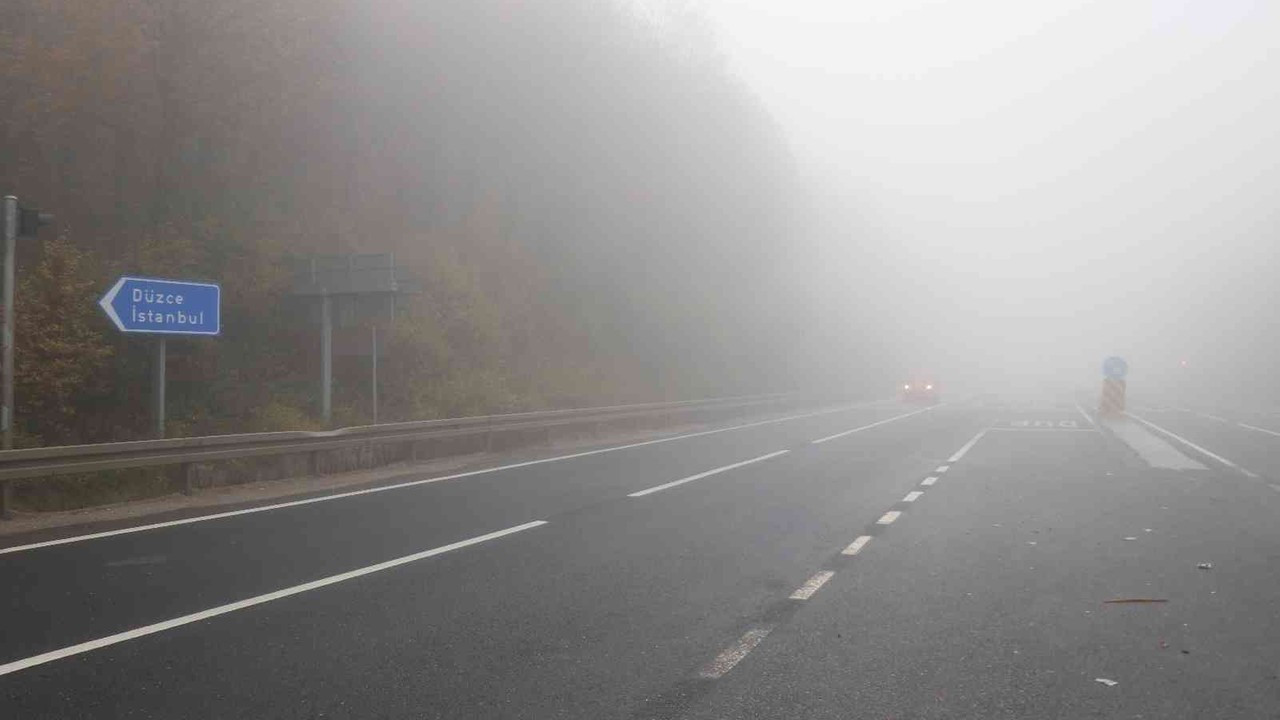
1069 178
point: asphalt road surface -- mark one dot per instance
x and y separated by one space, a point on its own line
875 561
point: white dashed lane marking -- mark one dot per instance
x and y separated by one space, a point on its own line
888 518
425 481
941 468
699 476
102 642
733 655
966 447
806 591
819 441
1258 429
856 546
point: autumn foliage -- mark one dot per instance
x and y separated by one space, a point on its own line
595 207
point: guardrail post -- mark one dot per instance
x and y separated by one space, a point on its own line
6 499
188 478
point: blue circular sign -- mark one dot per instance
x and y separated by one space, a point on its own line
1115 368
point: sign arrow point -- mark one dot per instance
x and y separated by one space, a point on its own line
106 300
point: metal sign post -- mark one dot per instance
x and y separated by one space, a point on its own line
10 241
351 290
157 386
163 307
15 220
326 358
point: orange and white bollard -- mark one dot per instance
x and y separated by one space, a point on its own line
1111 403
1114 370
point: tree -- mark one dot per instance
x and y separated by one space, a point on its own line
60 347
597 210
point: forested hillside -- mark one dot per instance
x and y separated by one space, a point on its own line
598 211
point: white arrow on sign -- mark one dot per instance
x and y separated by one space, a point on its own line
105 302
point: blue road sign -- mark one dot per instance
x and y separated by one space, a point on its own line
1115 368
169 307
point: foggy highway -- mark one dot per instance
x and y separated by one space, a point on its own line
877 560
640 359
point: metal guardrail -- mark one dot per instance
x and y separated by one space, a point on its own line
37 463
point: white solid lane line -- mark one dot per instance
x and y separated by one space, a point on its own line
929 480
411 483
888 518
84 647
964 449
1085 415
811 586
868 427
1193 446
856 546
1259 429
708 473
912 496
733 655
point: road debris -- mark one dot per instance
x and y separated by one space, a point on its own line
1205 566
1105 681
1133 601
